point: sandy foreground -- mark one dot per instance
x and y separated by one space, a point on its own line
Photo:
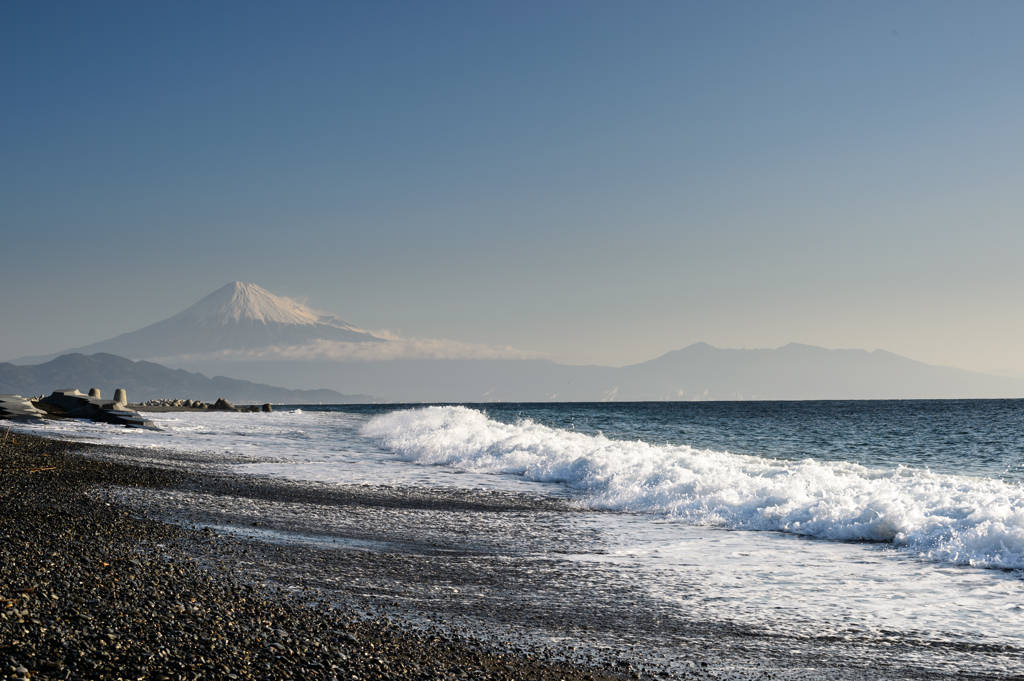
155 565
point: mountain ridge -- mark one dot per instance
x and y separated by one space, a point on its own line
697 372
148 380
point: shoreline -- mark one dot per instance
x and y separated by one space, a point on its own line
465 597
92 589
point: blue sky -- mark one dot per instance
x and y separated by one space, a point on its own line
597 182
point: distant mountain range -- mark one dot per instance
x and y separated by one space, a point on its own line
146 381
697 372
244 331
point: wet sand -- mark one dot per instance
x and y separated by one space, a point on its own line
146 564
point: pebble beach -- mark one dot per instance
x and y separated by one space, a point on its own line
125 563
93 590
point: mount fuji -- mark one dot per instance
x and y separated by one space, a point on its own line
239 316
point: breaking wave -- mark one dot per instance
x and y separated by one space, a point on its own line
957 519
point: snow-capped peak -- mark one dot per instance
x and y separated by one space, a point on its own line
240 301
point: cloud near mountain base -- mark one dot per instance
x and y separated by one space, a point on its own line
395 348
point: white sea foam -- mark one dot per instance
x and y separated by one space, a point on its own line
762 579
956 519
296 444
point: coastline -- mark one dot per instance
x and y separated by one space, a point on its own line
93 590
166 557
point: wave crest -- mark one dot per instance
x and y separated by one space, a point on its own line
959 519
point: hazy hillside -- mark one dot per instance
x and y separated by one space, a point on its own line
146 380
700 371
805 372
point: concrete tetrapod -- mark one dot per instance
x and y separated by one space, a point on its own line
79 406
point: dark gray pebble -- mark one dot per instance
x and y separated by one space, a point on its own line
132 600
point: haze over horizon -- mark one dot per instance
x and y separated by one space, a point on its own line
259 340
590 182
241 323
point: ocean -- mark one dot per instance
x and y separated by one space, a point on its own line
861 521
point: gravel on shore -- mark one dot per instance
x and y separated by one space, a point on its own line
135 563
95 590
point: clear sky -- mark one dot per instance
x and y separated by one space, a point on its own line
597 182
